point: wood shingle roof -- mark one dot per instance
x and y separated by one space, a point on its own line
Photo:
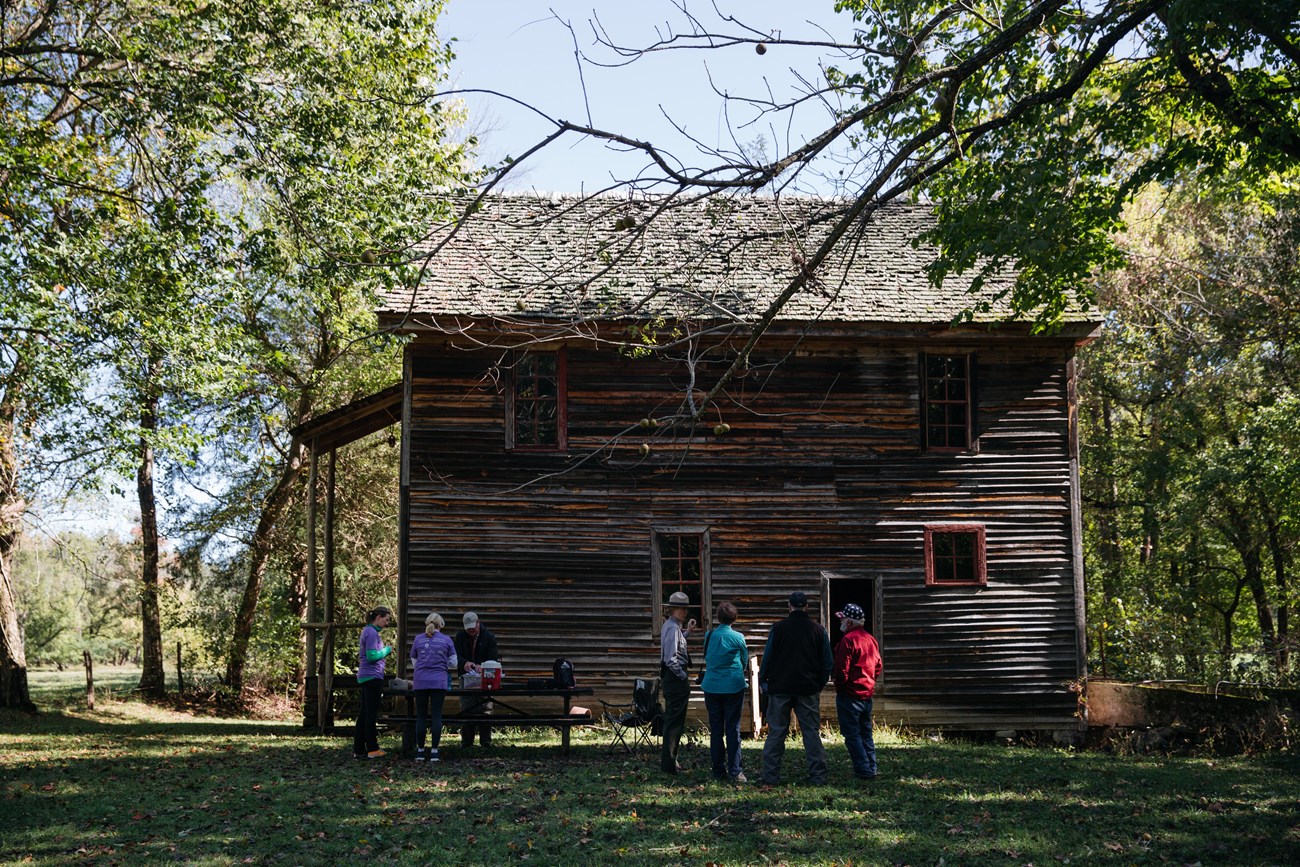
568 257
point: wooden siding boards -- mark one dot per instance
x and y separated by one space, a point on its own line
822 470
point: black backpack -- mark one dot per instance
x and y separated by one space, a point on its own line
563 674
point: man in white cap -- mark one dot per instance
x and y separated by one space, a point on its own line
855 671
475 645
675 665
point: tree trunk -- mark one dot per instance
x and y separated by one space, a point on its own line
1253 572
152 679
259 551
1108 515
297 594
1281 559
13 657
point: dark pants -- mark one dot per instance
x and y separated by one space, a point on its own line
428 715
808 712
855 725
473 705
676 693
724 724
366 737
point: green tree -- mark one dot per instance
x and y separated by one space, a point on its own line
80 593
1190 440
171 161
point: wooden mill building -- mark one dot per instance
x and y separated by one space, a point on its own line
868 450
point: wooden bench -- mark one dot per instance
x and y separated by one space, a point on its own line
563 722
510 714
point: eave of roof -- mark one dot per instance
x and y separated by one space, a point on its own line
351 422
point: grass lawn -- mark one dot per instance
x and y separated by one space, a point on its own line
131 783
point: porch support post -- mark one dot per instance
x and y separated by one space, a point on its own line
313 614
325 681
403 519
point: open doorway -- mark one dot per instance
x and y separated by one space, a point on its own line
839 590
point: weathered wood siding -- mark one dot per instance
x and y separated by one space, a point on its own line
822 470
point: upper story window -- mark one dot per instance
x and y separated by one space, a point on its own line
536 416
680 562
946 402
954 554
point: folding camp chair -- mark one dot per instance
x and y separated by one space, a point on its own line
642 719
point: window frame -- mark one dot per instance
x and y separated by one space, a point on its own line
656 576
971 444
561 400
981 578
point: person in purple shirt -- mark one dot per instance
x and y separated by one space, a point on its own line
432 654
370 677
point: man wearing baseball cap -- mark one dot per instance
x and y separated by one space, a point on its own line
475 644
675 676
796 665
855 671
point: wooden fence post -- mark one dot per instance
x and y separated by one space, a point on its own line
90 680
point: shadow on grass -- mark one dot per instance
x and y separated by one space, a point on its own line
222 791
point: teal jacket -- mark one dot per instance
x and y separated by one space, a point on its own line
725 659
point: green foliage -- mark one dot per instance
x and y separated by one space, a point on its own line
79 593
1190 442
1032 124
201 203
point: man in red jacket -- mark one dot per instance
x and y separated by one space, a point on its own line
855 671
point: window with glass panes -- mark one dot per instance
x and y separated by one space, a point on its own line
537 402
946 399
682 565
954 554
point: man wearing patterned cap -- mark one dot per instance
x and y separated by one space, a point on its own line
855 670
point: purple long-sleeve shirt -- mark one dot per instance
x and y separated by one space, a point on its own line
371 656
431 656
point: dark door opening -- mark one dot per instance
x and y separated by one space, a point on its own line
842 590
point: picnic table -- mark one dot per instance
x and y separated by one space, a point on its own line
507 713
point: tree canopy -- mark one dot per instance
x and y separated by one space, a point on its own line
192 191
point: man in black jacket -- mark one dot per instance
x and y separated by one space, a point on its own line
796 665
475 645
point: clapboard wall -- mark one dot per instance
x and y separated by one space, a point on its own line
822 470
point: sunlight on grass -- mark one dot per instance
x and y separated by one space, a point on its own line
130 781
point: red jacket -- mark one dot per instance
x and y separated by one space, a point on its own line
857 664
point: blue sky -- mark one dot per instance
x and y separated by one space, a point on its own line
519 48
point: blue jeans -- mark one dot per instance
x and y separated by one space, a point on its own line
855 725
428 715
808 711
724 724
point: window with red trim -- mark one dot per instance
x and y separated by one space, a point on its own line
536 415
954 554
946 402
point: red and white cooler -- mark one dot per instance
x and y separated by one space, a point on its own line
491 674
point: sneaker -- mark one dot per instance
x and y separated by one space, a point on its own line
376 754
740 778
432 756
420 755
